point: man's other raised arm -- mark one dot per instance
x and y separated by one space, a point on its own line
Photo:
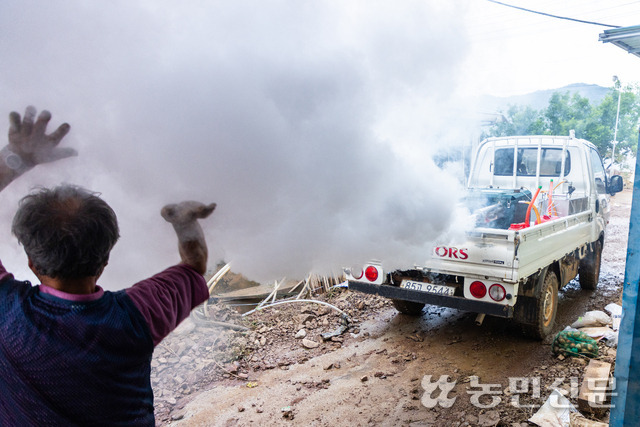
191 243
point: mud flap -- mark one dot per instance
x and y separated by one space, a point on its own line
525 309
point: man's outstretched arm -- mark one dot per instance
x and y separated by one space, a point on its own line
167 298
29 145
191 243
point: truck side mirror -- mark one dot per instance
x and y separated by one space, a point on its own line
615 185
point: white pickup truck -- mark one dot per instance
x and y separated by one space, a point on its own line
540 205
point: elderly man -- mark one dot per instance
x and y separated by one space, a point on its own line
70 352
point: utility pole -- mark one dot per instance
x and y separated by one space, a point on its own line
617 85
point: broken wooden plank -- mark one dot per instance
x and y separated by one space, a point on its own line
595 383
216 277
296 286
272 295
305 289
254 292
211 284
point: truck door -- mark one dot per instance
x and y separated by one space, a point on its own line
600 182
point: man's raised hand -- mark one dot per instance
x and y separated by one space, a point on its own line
191 243
185 212
28 138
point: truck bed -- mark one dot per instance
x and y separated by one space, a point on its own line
510 255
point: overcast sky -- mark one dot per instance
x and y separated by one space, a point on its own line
515 52
310 123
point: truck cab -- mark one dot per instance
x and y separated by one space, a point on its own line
573 165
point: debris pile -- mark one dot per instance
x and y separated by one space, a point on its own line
195 355
225 346
590 343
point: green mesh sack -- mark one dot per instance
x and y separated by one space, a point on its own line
574 343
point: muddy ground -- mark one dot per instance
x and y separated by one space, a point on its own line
373 374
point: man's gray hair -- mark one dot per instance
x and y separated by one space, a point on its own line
67 231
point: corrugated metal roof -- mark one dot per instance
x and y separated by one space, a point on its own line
627 38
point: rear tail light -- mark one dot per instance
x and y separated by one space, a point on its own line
371 273
478 289
497 292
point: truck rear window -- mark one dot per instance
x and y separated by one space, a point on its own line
550 162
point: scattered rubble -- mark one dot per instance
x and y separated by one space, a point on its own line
592 318
489 419
309 343
556 411
287 413
198 355
593 390
226 347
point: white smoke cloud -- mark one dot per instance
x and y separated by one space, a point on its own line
311 124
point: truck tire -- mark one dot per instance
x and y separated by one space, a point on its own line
589 269
408 307
546 308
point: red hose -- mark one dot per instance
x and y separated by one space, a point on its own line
550 203
527 218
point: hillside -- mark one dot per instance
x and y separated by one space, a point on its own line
540 99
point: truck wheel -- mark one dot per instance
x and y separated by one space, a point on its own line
546 308
408 307
589 269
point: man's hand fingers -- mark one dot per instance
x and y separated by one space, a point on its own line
184 212
27 122
28 138
59 133
14 123
168 212
41 124
205 211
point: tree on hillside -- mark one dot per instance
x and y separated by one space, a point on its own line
566 112
519 120
600 125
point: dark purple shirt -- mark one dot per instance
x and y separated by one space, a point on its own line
68 358
167 298
164 300
3 273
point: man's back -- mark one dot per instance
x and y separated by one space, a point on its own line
63 360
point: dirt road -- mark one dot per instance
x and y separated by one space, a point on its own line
374 374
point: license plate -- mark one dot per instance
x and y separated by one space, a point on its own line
428 287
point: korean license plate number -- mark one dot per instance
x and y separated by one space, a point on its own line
427 287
